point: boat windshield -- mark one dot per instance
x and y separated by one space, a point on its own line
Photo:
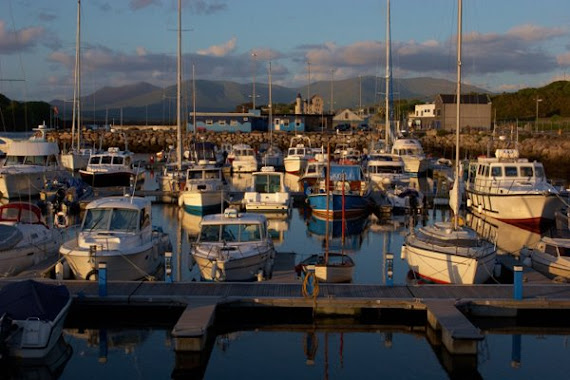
107 219
265 183
230 233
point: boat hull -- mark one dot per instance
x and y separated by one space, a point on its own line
215 266
295 164
75 161
24 256
22 183
354 205
122 265
448 268
201 202
526 210
101 179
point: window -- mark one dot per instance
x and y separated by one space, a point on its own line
539 172
511 171
233 123
96 219
222 122
526 171
124 220
496 171
551 250
209 122
250 232
209 233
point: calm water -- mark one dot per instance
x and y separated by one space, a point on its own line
321 349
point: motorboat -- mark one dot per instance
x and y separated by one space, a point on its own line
511 189
549 256
350 193
313 172
29 165
450 252
387 170
243 159
271 155
203 191
412 153
268 192
117 231
234 246
25 239
32 315
298 154
171 181
111 168
333 267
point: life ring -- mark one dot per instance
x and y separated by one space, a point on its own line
61 220
94 273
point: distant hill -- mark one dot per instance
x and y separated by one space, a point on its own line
145 102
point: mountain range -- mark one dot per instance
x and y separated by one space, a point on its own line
143 101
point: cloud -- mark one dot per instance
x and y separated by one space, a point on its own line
206 7
19 40
140 4
220 50
563 59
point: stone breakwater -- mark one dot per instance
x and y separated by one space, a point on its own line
551 149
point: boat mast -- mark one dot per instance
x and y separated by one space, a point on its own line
193 99
388 78
179 91
457 125
327 184
76 118
270 110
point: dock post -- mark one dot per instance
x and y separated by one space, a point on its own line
102 270
517 282
390 269
168 267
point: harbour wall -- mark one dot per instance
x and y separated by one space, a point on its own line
553 149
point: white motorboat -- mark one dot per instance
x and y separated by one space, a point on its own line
112 168
268 192
243 159
234 247
387 170
450 252
298 154
32 315
117 231
511 189
25 240
203 191
412 153
29 165
550 256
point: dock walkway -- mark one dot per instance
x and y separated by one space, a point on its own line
447 307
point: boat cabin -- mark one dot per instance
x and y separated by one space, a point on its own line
233 227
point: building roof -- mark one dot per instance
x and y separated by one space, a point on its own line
465 98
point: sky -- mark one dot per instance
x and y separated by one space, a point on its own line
507 44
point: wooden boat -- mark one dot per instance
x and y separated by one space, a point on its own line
117 231
234 247
32 315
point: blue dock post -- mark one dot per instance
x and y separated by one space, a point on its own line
168 267
102 270
517 282
389 269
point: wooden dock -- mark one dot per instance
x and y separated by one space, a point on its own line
447 308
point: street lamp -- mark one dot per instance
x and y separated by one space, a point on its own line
536 121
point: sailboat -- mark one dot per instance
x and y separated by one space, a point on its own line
330 267
409 149
78 157
272 156
172 179
448 252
